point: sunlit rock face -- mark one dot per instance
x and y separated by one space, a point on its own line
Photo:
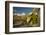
29 13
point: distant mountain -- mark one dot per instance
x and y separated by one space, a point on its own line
19 14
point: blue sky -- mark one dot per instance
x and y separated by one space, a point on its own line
22 9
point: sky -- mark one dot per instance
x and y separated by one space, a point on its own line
22 9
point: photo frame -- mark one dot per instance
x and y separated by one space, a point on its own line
24 17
